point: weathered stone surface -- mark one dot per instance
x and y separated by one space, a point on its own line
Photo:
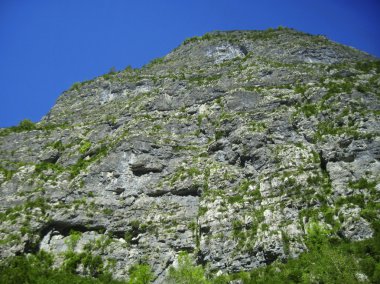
231 148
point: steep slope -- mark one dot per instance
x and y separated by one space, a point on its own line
233 147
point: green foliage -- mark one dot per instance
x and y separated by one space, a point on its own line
38 269
203 79
92 264
232 38
316 235
111 119
309 109
192 39
73 239
327 261
300 89
58 146
7 174
256 126
218 134
111 74
186 272
140 274
83 163
362 183
339 87
75 87
26 125
367 66
85 145
330 127
183 173
43 166
325 265
178 148
107 211
157 128
156 61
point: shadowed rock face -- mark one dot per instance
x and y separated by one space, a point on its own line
230 148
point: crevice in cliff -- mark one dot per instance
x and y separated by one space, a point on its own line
243 160
323 162
193 190
323 166
164 270
139 171
64 228
31 247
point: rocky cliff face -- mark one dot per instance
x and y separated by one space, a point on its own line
231 148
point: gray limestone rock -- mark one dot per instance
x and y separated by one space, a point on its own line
229 148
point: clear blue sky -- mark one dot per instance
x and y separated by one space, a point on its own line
47 45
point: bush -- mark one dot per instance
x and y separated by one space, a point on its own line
26 125
190 40
186 272
75 87
140 274
37 269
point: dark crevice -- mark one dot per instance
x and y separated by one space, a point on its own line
243 49
118 234
142 169
53 159
205 230
167 265
323 163
31 247
118 190
188 249
201 258
157 193
64 228
193 191
270 257
140 172
181 192
244 160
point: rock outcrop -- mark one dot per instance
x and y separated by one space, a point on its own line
230 148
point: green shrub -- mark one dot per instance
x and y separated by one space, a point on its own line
6 173
85 145
26 125
38 269
140 274
83 163
186 272
156 61
316 235
58 145
190 40
367 66
73 239
362 183
75 87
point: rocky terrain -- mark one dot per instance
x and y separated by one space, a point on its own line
233 148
